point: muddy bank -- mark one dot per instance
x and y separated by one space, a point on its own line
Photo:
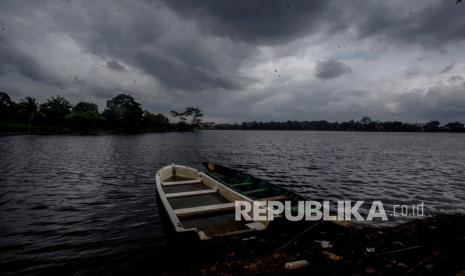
434 245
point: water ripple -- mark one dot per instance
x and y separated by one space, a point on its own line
86 204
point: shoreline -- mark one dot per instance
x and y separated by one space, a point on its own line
335 130
423 246
99 133
190 131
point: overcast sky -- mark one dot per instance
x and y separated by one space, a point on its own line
243 60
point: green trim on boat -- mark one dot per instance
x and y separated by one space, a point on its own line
241 184
256 191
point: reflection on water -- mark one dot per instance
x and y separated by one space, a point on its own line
87 203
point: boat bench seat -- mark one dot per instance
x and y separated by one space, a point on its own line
184 182
191 193
256 191
184 212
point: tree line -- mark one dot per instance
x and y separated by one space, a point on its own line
365 124
58 115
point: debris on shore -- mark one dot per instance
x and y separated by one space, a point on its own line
434 245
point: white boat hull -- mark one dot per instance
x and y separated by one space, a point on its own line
195 202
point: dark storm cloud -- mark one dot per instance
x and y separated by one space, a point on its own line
330 69
269 22
258 21
115 66
179 73
253 53
148 37
443 101
152 38
15 61
430 24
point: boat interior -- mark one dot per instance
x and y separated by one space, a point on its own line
196 202
250 186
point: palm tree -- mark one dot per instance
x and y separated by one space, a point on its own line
30 107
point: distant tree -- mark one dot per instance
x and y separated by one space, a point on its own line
193 112
30 108
84 118
366 120
84 122
154 121
181 116
432 126
85 107
196 115
455 126
55 110
123 113
344 126
7 108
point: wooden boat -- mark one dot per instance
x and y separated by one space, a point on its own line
250 186
197 203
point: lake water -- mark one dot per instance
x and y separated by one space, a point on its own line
87 203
